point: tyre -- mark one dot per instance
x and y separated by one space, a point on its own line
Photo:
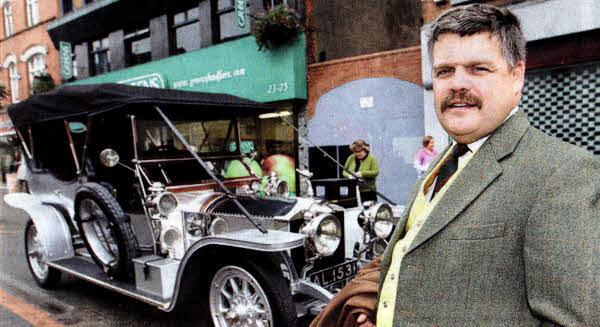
106 232
36 253
248 294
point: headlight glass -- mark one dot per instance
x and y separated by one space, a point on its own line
283 188
384 222
325 233
166 203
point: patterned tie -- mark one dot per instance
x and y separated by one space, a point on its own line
449 167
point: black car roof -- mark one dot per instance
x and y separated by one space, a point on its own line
77 100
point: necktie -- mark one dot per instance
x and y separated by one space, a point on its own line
449 167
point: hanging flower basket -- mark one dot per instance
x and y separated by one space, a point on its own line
278 26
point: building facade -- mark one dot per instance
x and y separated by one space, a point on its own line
560 95
364 82
25 52
25 46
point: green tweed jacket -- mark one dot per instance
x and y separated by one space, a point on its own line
515 241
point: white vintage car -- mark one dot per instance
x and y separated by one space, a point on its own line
119 197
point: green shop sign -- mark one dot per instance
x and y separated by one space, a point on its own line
154 80
66 60
240 13
235 67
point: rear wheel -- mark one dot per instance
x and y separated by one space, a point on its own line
106 232
248 294
36 253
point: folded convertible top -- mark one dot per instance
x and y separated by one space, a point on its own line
77 100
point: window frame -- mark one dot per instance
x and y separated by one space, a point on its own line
66 6
135 34
33 12
92 55
34 71
9 28
216 17
173 27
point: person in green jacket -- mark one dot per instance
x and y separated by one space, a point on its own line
363 165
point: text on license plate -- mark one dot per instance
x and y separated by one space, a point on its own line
335 275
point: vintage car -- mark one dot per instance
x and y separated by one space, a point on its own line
127 190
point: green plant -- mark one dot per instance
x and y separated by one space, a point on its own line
278 26
3 92
42 83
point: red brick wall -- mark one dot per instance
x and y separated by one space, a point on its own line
25 37
322 77
431 10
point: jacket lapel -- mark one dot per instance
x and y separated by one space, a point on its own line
475 177
386 259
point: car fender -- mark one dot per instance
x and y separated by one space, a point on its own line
249 239
50 223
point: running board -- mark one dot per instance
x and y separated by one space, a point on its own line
87 270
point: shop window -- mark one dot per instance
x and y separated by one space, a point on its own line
227 22
14 82
185 29
33 12
36 65
268 4
67 6
8 20
137 46
99 56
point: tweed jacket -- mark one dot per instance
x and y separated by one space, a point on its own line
515 241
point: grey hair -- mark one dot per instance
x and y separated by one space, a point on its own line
476 18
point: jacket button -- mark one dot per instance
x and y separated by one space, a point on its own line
385 304
392 277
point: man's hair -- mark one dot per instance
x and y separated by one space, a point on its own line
476 18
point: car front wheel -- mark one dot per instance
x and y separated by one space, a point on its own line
249 295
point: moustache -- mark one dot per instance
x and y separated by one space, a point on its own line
461 96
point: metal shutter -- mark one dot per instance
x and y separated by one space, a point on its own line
565 103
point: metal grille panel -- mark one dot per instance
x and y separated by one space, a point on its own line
565 103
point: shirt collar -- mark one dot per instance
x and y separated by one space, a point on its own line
474 146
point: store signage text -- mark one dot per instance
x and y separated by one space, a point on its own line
209 77
66 60
240 13
154 80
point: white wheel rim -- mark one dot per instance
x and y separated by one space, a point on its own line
36 254
236 300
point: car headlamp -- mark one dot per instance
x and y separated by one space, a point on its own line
282 188
324 232
166 203
378 220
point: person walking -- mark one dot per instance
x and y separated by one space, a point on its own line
424 155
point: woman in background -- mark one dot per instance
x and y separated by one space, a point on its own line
425 155
363 165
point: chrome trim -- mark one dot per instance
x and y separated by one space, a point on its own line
311 289
251 239
160 305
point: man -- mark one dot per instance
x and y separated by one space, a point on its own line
504 227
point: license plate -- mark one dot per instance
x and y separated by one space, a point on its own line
336 276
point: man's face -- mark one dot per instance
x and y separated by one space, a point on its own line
474 86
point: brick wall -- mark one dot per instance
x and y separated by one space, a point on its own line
431 10
25 37
322 77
